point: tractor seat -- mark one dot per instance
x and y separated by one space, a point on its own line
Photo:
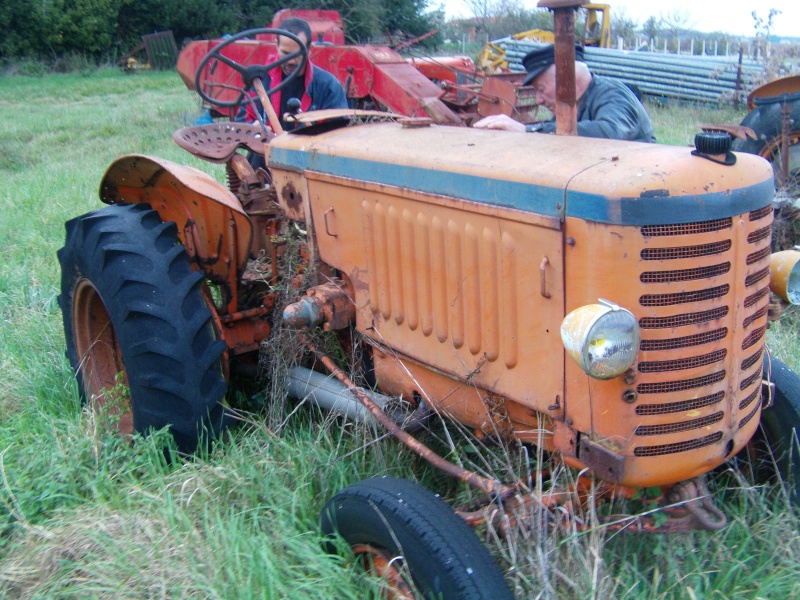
217 142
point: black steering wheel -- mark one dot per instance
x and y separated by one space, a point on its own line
248 74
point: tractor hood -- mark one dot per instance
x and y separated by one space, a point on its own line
605 181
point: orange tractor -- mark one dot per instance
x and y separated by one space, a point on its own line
605 300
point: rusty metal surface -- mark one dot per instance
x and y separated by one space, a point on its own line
101 356
737 131
218 142
778 87
566 112
603 461
212 225
503 94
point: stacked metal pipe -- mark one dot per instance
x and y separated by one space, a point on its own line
708 79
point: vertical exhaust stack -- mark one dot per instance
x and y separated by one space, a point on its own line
566 103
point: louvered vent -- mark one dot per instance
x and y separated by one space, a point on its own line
687 333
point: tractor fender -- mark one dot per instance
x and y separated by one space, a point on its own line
212 224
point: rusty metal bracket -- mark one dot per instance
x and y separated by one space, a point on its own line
607 464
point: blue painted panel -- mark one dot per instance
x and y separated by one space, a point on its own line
656 209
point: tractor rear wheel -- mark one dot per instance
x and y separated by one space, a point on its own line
138 329
766 121
780 425
413 540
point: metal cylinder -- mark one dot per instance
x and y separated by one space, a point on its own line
330 394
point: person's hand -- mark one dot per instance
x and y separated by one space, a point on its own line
503 122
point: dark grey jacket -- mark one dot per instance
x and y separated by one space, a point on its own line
609 109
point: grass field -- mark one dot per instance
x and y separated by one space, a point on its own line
83 515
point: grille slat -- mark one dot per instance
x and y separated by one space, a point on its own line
759 234
751 360
747 401
684 342
754 337
682 406
756 277
757 215
762 312
685 274
684 319
681 364
684 297
687 228
758 256
664 387
750 416
685 251
754 298
681 426
679 446
746 383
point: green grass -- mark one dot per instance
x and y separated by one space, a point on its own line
82 515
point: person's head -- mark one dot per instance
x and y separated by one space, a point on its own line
541 68
287 45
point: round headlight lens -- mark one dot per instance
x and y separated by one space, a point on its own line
785 275
602 338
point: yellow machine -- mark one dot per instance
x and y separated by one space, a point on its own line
596 32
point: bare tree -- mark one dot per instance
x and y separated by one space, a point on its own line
651 28
623 26
763 29
674 23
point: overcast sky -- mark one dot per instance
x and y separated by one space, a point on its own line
729 16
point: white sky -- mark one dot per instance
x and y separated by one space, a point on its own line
728 16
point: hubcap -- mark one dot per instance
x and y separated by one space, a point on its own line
104 378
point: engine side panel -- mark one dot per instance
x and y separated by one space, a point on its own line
457 285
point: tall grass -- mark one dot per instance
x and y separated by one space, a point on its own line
84 515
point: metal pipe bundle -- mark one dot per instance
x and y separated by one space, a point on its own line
709 79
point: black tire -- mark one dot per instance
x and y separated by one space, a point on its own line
780 425
443 555
765 119
131 304
767 123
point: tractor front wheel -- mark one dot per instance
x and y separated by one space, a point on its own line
413 540
138 329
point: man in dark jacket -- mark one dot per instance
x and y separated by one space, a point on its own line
315 88
607 108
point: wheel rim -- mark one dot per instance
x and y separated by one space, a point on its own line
387 568
103 374
772 152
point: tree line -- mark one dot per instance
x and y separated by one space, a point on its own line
105 29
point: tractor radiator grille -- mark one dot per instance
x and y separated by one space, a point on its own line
700 362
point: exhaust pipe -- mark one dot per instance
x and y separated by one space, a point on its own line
331 395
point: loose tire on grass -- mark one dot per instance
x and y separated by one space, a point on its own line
780 425
382 519
132 306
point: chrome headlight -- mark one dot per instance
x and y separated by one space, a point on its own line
785 275
602 338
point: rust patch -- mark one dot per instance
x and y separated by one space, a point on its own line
291 197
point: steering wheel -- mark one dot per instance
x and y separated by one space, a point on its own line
248 74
